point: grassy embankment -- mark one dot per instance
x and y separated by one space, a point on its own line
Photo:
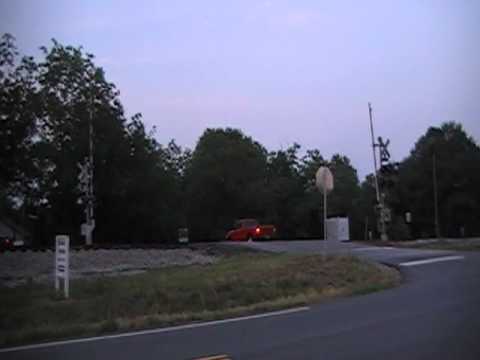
236 285
442 244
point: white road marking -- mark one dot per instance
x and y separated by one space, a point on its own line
215 357
154 331
430 261
373 248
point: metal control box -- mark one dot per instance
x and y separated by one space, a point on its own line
338 229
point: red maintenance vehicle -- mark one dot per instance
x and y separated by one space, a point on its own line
250 229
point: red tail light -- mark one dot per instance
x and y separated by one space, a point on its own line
257 230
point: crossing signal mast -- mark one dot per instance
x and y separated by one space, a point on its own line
383 212
86 185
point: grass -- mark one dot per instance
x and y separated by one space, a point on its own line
442 244
237 285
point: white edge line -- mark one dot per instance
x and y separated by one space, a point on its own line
370 248
433 260
154 331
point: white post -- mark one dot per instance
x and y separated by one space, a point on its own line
66 277
324 182
67 287
62 263
57 281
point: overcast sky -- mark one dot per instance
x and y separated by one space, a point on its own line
281 71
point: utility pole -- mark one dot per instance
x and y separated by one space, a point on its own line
377 191
85 176
86 181
89 216
381 207
435 196
324 183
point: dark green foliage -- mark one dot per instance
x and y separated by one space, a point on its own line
284 190
408 186
45 111
398 229
458 175
231 176
364 208
225 180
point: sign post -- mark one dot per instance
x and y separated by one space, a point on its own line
62 263
324 182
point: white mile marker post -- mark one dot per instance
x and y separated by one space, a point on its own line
62 263
324 182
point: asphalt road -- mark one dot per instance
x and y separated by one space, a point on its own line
434 314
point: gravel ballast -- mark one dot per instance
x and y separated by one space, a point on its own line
19 267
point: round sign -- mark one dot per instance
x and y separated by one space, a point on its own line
324 179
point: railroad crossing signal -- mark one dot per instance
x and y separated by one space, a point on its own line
85 184
384 153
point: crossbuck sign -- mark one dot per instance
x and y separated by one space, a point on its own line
62 262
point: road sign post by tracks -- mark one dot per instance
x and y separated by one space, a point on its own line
324 182
62 264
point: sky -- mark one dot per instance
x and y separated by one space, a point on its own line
281 71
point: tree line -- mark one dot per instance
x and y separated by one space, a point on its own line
145 191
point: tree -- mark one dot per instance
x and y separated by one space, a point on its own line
309 165
457 159
19 106
151 198
46 109
309 207
75 94
224 181
285 191
342 200
365 209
